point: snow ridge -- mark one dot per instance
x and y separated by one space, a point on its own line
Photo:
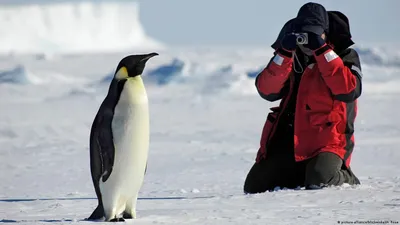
204 72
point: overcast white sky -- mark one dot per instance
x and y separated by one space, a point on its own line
254 22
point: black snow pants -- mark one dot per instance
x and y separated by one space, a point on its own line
280 169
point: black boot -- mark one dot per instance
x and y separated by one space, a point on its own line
327 169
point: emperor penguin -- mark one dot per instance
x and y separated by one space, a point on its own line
119 142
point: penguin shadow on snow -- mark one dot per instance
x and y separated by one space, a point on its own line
38 221
22 200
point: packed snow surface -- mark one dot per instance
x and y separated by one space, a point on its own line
206 121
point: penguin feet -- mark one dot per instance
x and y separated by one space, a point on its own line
127 215
117 220
131 215
130 211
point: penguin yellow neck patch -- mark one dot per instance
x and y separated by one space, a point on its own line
122 73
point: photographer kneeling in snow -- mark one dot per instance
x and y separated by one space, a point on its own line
307 141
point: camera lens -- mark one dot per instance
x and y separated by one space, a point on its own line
300 39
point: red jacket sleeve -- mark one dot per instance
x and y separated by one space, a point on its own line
343 77
271 79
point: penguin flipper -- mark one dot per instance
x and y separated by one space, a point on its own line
105 143
107 150
101 145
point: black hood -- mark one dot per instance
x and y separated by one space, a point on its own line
312 17
338 32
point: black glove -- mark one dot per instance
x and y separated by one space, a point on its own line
289 42
315 41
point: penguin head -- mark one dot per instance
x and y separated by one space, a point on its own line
132 66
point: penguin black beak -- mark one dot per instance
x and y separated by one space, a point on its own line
149 56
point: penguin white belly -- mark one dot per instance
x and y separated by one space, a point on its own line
130 128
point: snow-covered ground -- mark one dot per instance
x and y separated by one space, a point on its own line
206 121
205 127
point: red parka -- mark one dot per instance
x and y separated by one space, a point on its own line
326 102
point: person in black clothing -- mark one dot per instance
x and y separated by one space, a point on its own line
319 83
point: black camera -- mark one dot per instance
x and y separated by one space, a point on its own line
301 38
